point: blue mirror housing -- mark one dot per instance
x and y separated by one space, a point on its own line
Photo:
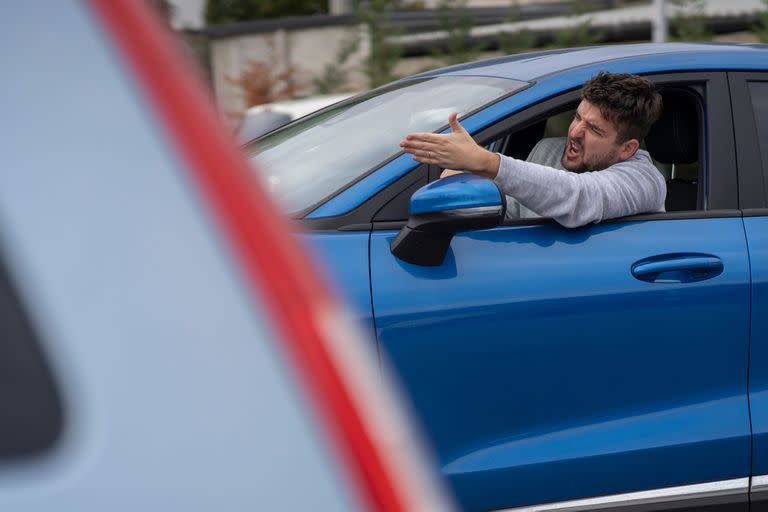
454 193
461 202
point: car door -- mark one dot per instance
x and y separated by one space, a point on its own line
543 370
750 109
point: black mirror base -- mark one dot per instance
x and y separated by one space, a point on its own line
421 247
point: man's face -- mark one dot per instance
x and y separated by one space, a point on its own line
592 141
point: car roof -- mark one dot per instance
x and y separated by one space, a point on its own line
650 57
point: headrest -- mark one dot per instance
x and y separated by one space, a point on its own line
674 138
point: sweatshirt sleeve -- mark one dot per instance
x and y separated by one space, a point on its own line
627 188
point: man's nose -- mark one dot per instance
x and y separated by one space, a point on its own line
577 129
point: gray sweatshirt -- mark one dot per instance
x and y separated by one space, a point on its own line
626 188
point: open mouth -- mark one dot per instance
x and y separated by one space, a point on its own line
572 150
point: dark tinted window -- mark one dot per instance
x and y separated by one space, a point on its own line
30 407
758 92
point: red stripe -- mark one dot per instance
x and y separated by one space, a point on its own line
276 267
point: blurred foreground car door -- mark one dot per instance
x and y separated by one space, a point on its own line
750 105
157 353
547 367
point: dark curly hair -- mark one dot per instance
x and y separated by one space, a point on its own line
630 102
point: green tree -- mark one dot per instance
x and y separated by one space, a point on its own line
230 11
691 25
379 65
580 34
456 21
519 41
335 75
761 29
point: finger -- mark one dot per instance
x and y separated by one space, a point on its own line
426 137
417 153
421 153
425 160
427 146
425 157
453 122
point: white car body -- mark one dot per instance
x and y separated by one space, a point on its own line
264 118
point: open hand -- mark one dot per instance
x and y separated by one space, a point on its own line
454 150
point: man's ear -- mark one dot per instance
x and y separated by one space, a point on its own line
628 148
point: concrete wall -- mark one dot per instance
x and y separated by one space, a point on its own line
308 50
309 44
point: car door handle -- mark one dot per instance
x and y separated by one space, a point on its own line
678 268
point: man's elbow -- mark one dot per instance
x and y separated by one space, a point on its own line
571 221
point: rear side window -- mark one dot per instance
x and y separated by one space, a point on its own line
758 92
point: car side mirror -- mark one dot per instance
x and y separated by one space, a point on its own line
462 202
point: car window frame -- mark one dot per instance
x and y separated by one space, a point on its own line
752 176
303 214
718 174
718 189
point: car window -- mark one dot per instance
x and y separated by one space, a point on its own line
681 160
30 405
310 159
758 92
682 167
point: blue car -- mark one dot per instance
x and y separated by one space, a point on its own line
621 365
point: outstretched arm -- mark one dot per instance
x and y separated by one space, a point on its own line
455 150
626 188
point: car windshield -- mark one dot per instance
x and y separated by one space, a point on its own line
310 159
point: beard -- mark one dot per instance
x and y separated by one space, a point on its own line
587 161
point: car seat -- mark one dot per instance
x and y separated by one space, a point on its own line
674 140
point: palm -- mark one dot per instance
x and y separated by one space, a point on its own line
454 150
